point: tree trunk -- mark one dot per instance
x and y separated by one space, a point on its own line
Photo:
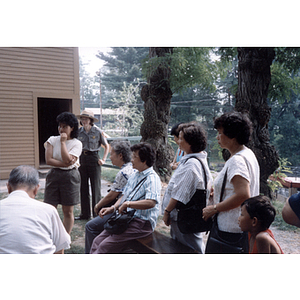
157 96
254 77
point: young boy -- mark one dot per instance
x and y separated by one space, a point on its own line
257 214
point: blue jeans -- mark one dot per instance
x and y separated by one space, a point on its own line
93 228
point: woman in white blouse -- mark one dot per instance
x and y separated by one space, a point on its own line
63 180
234 130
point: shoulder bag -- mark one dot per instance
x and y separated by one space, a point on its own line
189 218
118 223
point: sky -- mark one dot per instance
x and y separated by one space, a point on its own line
88 56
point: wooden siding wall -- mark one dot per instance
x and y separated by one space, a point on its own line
26 73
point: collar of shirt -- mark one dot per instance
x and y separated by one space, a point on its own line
125 165
202 155
93 130
145 172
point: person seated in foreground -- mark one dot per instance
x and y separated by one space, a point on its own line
120 155
142 194
257 214
29 226
291 210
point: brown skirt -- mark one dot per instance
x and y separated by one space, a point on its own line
62 187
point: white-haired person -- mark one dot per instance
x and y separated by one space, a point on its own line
120 156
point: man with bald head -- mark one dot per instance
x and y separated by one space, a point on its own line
29 226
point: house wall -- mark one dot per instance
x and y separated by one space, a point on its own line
25 75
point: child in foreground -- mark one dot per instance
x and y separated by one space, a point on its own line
257 214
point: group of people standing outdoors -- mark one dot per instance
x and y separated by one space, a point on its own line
241 215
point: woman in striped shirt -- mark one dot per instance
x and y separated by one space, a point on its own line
186 179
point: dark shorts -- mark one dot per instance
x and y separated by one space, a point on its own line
62 187
294 202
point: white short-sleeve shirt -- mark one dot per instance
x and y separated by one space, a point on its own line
244 164
74 147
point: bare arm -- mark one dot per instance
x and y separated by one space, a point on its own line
263 243
140 204
108 210
52 161
166 218
106 200
106 150
67 158
241 193
289 215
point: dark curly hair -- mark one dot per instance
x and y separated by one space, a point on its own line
71 120
147 153
235 125
261 208
195 135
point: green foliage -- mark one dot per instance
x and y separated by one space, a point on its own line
227 54
282 85
279 174
289 58
284 128
89 87
189 66
122 64
129 117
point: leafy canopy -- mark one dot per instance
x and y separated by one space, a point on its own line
189 66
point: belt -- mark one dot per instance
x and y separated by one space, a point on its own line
86 152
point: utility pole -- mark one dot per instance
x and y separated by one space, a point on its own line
99 74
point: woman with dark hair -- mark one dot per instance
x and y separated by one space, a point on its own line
241 173
63 180
141 195
188 177
179 153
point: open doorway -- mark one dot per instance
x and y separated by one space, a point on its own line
48 110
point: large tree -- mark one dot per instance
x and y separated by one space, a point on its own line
254 78
264 74
157 96
168 71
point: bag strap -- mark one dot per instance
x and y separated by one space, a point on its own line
205 176
136 187
215 217
223 186
224 183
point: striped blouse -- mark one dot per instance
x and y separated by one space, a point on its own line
149 189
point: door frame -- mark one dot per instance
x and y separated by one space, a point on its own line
74 108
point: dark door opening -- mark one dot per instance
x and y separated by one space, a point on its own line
48 110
